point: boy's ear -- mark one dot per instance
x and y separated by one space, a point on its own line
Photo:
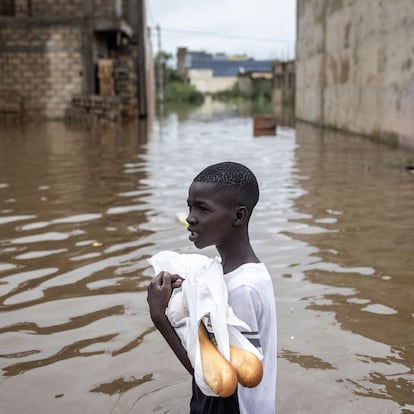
240 215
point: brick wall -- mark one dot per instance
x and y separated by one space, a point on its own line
43 65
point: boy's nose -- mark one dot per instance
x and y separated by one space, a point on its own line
190 219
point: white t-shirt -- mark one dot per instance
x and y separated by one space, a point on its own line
252 298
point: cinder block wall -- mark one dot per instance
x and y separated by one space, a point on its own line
72 8
48 51
43 64
355 66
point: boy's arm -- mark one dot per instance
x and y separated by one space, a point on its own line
159 292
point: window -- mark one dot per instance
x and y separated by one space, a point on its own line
7 8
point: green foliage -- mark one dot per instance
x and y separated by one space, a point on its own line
232 94
175 89
261 93
262 90
288 99
179 91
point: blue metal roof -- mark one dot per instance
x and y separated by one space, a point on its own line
232 68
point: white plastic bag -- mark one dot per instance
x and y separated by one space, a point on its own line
202 293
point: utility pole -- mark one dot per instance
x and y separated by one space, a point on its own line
160 68
141 60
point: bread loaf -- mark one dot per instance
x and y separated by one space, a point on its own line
218 373
248 367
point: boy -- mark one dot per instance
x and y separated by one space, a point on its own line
221 199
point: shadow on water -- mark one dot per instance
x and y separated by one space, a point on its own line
82 210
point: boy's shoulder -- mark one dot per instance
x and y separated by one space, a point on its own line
253 275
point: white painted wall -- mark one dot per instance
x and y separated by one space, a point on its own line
204 81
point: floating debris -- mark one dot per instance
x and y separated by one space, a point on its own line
379 309
182 219
264 125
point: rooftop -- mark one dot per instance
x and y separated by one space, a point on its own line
231 68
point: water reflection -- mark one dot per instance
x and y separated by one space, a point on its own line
69 260
357 202
82 210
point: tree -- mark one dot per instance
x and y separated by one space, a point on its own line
174 88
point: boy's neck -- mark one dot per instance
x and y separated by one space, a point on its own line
240 253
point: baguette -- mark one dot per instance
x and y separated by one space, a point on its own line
248 367
218 373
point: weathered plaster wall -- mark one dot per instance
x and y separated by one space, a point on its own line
355 66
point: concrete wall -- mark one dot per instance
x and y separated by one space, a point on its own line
245 84
355 66
204 81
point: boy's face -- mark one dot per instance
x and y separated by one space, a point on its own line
210 217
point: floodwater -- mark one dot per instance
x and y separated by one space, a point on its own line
82 210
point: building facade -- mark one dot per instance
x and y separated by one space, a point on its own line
355 67
210 73
50 51
283 87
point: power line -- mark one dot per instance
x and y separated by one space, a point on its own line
151 14
227 36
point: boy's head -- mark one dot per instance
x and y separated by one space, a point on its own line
236 180
221 199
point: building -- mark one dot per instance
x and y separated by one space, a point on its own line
214 73
283 87
53 51
355 67
247 80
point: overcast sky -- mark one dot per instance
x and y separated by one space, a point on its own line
263 29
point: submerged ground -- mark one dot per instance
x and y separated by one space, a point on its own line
81 211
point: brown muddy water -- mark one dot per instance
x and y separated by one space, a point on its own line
82 210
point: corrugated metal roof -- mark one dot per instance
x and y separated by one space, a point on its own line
232 68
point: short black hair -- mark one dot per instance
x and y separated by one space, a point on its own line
234 178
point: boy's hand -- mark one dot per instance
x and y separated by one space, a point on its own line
176 281
159 293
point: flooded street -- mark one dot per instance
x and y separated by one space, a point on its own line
81 211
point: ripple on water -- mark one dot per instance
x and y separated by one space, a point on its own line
39 253
50 236
379 309
11 219
75 297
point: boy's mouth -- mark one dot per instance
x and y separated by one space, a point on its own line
193 234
